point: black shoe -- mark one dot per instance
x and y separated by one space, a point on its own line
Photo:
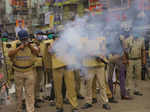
86 106
112 100
23 106
24 111
128 92
66 101
94 100
39 100
148 77
59 110
80 97
126 98
36 105
106 106
138 93
52 103
75 110
47 98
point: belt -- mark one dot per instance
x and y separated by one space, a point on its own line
137 58
39 56
22 67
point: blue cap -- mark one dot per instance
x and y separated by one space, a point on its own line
126 33
38 32
23 34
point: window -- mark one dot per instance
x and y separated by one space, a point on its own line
118 4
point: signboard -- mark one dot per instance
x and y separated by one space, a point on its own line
49 19
95 6
144 4
20 23
19 26
51 23
20 7
19 3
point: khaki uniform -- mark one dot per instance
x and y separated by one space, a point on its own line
39 77
43 67
78 81
135 54
23 65
96 71
39 72
47 61
94 86
60 70
7 62
7 46
108 91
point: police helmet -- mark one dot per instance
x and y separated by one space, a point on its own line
23 34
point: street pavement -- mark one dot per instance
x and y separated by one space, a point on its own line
138 104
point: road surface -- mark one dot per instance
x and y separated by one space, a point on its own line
138 104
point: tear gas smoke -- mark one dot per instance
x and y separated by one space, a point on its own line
97 35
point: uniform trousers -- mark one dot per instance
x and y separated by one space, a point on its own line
70 86
99 73
134 75
26 80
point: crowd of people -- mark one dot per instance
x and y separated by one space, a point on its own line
36 64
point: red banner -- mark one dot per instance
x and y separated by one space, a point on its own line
94 5
20 22
19 3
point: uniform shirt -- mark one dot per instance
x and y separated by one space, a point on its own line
23 58
134 47
56 61
39 61
5 50
90 61
47 58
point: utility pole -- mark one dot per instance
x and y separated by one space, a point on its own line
3 14
3 20
30 16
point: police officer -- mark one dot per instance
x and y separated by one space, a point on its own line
59 70
5 53
43 63
135 50
23 59
39 68
117 64
78 84
96 68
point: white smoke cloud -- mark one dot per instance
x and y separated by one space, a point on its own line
83 37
